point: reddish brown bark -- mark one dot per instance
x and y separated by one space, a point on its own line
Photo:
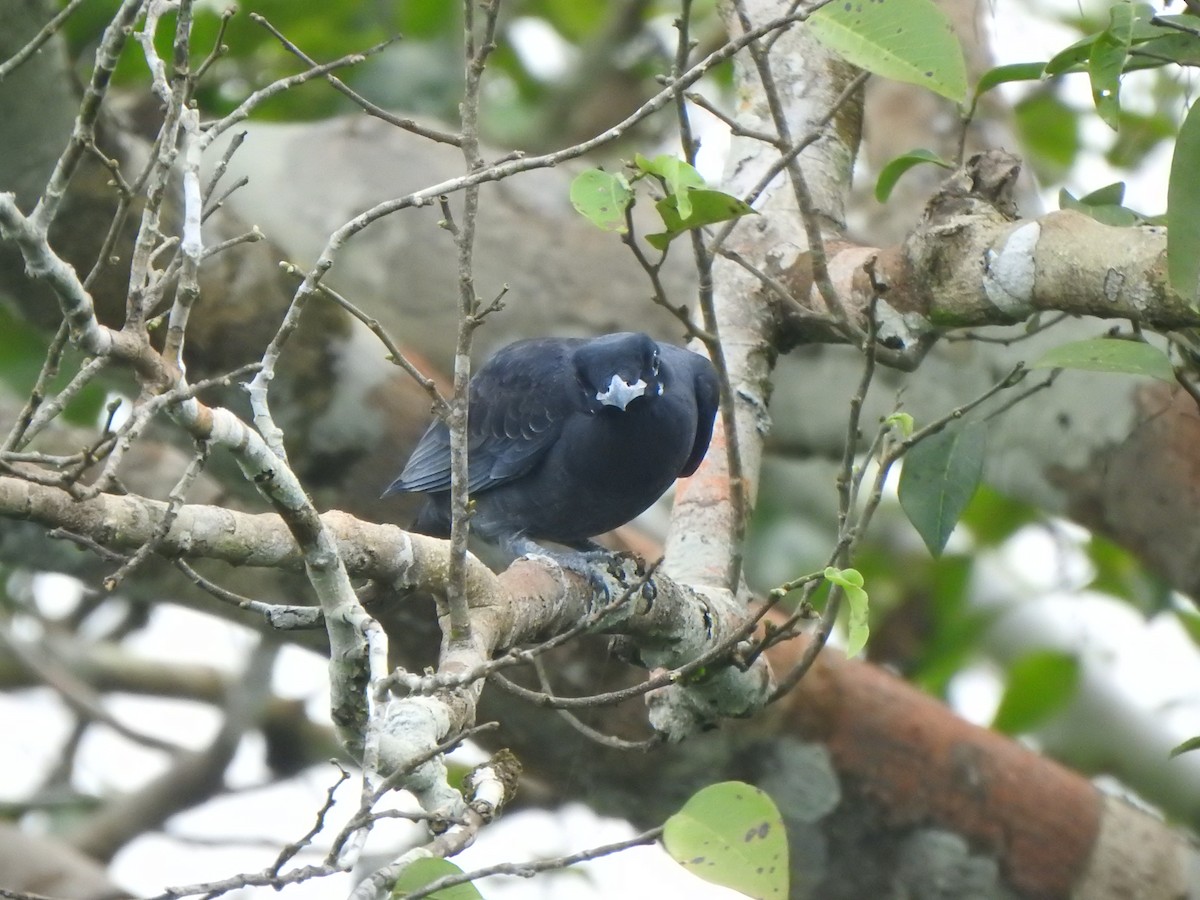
916 764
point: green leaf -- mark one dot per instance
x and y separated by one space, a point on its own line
22 352
731 834
1120 574
602 198
707 208
891 172
940 476
901 422
1183 208
1049 130
857 625
1109 355
1142 30
678 178
1138 135
994 517
1186 747
1039 685
577 20
427 870
1109 195
1171 48
674 172
951 625
906 40
1190 620
424 19
1107 61
1027 71
1095 206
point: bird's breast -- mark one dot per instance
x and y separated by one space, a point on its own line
645 445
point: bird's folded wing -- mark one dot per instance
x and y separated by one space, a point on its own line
514 419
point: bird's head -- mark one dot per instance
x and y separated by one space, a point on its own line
617 369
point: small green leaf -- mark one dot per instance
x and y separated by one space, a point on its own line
1106 62
994 517
1039 685
1027 71
708 207
1049 130
22 351
1183 208
430 869
1190 620
891 172
1120 574
678 178
906 40
1109 355
1187 746
85 408
1139 135
901 422
1109 195
1100 206
939 478
857 625
1142 30
731 834
602 198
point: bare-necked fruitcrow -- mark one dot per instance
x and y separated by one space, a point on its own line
569 438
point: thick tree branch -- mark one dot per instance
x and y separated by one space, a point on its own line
533 600
971 262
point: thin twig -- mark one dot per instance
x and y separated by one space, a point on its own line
372 109
598 737
395 355
48 31
457 419
528 869
175 499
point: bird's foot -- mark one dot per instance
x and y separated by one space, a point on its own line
603 568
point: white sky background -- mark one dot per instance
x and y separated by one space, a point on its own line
1154 659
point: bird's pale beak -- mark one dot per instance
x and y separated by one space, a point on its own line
620 392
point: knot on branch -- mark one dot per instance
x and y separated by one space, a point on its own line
493 784
989 177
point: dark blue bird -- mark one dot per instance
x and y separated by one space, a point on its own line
569 438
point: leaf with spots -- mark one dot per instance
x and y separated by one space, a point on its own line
732 834
677 177
602 198
704 207
905 40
